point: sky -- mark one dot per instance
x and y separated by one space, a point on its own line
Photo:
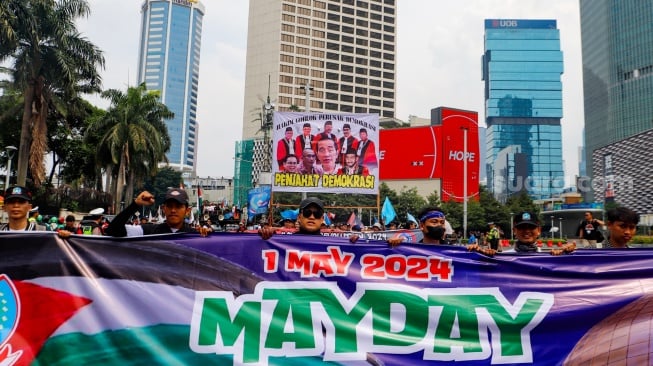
439 48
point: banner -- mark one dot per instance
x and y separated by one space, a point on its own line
235 299
326 152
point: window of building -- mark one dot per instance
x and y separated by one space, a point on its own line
360 110
346 88
362 4
361 51
331 106
317 63
376 7
288 28
333 7
388 114
318 33
346 98
361 32
287 38
376 16
331 96
285 79
388 56
288 18
388 38
303 11
304 31
388 10
301 71
389 75
285 89
361 100
303 40
332 56
332 66
319 24
302 61
388 47
360 89
289 8
346 108
348 49
333 36
287 59
347 78
375 82
348 30
376 26
347 58
389 19
347 68
375 63
287 48
388 85
347 20
361 70
362 14
388 28
375 44
331 86
319 4
284 100
304 21
303 51
317 73
388 66
388 94
348 39
304 2
333 27
333 17
361 61
375 102
319 44
361 23
332 76
286 69
348 10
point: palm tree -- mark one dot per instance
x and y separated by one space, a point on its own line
50 60
135 138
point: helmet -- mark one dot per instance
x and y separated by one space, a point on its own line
39 218
53 220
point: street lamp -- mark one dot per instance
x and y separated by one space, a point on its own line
552 226
10 154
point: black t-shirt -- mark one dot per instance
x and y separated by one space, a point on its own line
590 230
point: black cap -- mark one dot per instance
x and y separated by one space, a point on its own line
309 201
288 128
526 218
177 194
18 192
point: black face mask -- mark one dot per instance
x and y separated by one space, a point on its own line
435 232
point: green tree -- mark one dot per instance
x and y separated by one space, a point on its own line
164 179
135 139
50 60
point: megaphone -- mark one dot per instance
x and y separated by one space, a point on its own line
206 217
221 217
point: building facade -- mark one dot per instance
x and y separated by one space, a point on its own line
623 173
169 61
617 45
522 67
340 53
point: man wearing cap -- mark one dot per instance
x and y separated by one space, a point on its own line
175 208
527 229
18 202
310 218
493 236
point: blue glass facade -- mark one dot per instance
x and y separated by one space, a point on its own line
522 68
617 44
169 61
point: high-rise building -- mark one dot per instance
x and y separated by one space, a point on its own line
522 68
617 45
169 61
344 51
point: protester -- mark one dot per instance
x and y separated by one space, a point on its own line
18 202
588 231
622 225
310 218
175 208
70 225
527 229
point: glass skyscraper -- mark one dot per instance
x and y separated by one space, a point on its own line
169 61
617 43
522 68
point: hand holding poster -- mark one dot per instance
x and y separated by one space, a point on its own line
335 153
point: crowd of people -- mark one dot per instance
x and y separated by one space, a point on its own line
621 224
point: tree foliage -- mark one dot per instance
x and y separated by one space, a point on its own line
51 63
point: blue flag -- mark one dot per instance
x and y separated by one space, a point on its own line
388 212
290 214
411 217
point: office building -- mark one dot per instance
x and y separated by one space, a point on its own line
617 45
522 67
169 61
343 50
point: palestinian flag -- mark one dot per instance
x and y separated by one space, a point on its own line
106 301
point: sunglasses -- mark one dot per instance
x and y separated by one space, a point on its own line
317 213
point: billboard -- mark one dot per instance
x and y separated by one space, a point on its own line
410 153
460 151
435 152
326 152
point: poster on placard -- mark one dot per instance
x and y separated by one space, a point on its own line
325 152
